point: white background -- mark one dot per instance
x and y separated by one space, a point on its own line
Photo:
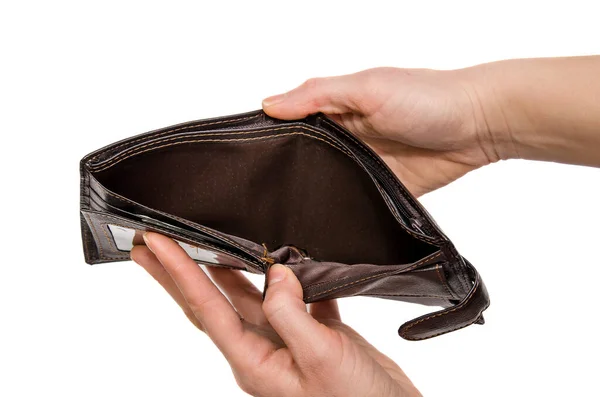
77 75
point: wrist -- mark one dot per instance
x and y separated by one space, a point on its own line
495 123
539 109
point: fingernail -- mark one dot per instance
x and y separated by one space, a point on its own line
145 237
273 100
277 273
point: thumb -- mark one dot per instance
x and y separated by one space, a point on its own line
330 95
285 310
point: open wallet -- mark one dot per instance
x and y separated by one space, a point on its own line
248 191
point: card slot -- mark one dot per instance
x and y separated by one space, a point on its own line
124 239
108 246
254 251
193 234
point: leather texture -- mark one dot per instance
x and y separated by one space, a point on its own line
247 191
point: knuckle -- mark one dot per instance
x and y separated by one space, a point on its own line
312 83
272 305
245 385
320 356
193 319
199 306
318 93
250 380
189 313
316 362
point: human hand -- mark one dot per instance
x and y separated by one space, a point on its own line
427 125
275 347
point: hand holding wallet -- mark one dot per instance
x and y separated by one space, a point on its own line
247 191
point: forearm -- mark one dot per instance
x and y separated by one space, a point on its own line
542 109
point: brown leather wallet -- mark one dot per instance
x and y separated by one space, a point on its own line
247 191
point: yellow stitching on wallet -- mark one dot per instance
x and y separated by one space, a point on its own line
416 264
116 161
179 129
136 150
110 242
266 257
379 161
95 233
444 312
443 280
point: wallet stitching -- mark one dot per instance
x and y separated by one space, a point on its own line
417 236
110 241
219 249
412 267
88 236
409 295
437 334
98 240
442 279
418 263
360 146
443 313
96 235
337 280
441 333
348 284
179 129
136 150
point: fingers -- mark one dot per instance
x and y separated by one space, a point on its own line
331 95
141 255
285 310
213 310
242 294
325 310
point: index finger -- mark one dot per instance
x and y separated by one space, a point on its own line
220 320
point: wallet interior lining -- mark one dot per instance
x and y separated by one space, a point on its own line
280 190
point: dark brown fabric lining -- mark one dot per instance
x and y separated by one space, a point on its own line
284 190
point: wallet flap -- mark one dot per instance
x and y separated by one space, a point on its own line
466 312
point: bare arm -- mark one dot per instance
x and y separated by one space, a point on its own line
542 109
